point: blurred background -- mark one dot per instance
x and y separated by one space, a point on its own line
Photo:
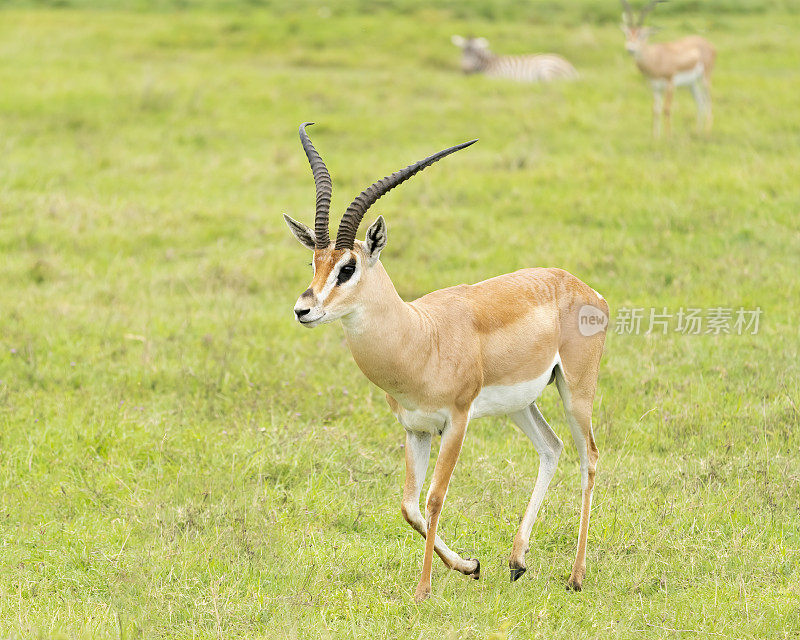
180 459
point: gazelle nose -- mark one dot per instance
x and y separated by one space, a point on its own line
301 312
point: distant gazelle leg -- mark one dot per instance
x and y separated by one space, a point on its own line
578 397
548 446
452 439
658 104
707 92
668 108
418 450
698 93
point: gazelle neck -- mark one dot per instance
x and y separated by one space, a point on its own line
383 331
644 57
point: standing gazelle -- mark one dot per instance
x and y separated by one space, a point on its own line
687 62
457 354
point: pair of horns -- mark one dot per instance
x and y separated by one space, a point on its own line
346 235
642 15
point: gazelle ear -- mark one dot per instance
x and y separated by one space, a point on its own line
375 240
458 41
483 43
302 232
626 21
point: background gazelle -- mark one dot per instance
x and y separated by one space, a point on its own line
457 354
683 63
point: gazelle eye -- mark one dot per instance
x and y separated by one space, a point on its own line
346 272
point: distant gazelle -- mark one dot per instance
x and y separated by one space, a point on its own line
543 67
683 63
458 354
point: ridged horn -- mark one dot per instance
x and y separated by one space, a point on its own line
648 9
626 7
322 180
346 235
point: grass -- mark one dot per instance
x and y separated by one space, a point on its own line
180 460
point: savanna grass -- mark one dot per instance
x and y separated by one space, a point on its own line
179 459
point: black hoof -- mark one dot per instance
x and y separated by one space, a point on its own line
475 575
516 574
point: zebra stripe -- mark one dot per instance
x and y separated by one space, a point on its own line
477 58
537 68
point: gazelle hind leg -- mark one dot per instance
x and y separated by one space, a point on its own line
548 445
418 450
577 394
698 93
707 93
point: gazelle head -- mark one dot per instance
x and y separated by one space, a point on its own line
344 269
636 34
474 53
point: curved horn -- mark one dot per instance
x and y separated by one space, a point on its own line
626 7
322 180
647 10
346 235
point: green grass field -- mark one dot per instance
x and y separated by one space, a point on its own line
180 460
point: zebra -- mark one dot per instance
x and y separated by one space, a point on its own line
476 58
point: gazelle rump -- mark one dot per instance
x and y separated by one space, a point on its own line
687 62
454 355
543 67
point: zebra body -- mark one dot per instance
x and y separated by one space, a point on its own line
477 58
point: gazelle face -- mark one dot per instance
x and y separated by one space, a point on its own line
341 276
635 37
474 52
345 273
334 289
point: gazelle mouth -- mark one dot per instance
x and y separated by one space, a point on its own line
306 320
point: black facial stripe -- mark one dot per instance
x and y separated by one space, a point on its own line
346 272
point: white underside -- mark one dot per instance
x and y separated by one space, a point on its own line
494 400
681 79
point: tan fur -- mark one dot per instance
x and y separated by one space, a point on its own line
435 355
662 63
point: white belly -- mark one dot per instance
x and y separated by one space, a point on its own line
496 400
502 399
689 77
681 79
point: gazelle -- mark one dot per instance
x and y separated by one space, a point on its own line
683 63
455 355
543 67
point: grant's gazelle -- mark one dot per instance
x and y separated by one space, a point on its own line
458 354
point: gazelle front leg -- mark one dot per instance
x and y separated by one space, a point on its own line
548 446
452 439
668 94
418 450
658 104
